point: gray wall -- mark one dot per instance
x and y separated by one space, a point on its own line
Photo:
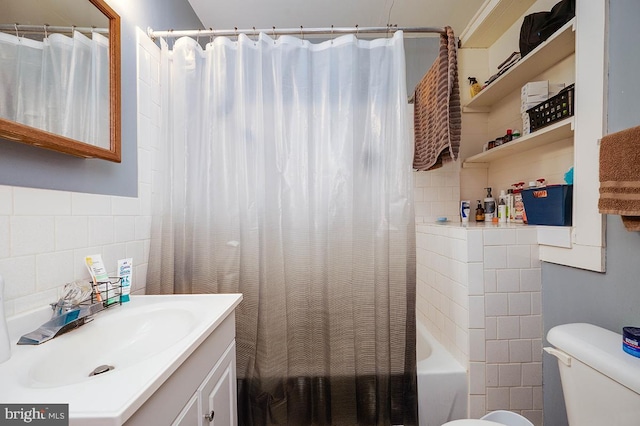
419 56
610 300
23 165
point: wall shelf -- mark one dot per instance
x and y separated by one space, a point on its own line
552 133
492 20
560 45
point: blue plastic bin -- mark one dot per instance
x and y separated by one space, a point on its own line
549 205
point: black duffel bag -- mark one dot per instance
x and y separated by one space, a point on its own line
537 27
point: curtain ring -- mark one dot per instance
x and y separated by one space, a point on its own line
301 33
73 30
211 35
15 25
198 37
331 34
45 31
274 35
357 30
235 30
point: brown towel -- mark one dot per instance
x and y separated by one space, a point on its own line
620 176
437 117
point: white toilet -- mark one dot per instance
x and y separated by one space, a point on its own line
600 382
495 418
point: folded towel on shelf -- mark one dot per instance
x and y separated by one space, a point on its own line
437 116
620 176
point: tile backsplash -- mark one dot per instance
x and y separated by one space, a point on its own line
46 234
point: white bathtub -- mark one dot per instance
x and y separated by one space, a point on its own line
442 382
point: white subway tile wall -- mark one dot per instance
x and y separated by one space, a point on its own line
498 288
437 194
44 234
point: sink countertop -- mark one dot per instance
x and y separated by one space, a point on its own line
31 376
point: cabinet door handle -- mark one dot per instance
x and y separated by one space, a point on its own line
210 416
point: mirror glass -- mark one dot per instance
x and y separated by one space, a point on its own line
60 76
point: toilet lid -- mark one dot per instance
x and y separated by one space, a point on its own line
472 422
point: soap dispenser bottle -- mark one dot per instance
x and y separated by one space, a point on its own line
489 206
5 345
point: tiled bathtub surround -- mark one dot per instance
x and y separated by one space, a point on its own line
479 291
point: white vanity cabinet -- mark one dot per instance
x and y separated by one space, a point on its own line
203 387
217 394
190 414
215 401
173 359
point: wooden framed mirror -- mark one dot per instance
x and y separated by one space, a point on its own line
70 107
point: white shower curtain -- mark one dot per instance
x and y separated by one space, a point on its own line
60 85
288 178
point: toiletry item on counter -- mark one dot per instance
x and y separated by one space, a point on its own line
631 341
502 207
5 344
515 134
124 273
489 206
475 87
74 294
518 204
479 212
509 205
101 285
465 209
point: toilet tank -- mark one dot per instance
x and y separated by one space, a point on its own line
600 382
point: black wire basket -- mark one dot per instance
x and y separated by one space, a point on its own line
552 110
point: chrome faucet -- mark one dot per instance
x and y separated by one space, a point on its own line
62 322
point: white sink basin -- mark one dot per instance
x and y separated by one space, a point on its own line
119 341
144 340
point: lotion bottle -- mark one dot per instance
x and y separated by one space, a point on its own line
489 206
5 345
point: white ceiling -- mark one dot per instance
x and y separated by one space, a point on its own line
227 14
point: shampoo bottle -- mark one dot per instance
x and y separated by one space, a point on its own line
489 206
5 345
502 207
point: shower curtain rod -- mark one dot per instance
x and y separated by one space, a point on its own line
44 29
331 31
